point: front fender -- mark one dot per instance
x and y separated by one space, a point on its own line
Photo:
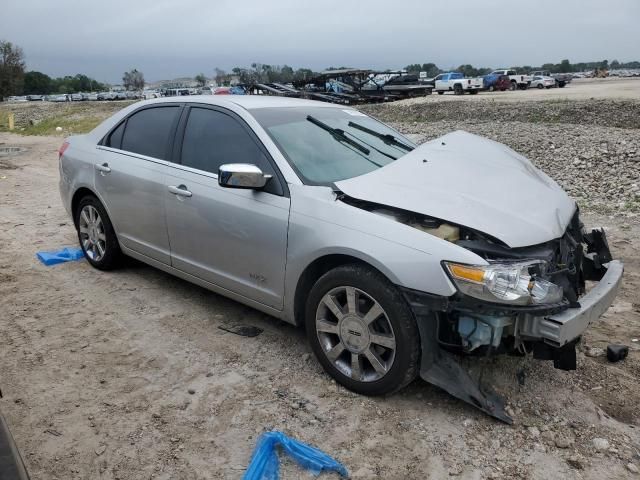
320 225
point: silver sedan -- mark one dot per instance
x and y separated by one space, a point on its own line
396 258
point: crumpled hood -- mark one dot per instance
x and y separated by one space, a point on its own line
472 181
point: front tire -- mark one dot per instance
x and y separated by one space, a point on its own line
96 234
362 331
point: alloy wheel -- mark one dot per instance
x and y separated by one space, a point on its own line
92 234
355 334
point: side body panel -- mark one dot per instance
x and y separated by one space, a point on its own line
134 191
236 239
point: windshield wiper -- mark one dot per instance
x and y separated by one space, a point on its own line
386 138
339 135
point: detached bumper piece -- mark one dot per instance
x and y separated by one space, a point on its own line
442 369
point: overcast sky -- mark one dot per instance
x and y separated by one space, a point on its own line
168 39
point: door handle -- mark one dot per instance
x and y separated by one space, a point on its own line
104 168
180 190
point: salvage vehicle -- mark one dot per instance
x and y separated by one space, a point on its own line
542 82
496 82
457 83
518 81
397 258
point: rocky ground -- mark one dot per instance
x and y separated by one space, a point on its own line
126 375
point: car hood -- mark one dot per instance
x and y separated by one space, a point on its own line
474 182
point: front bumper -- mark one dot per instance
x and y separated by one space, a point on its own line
561 328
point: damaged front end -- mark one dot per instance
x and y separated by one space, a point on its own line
548 327
524 300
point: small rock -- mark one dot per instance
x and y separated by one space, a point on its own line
594 352
563 441
155 415
191 391
174 440
306 357
548 436
467 422
534 432
632 468
100 450
209 374
600 444
576 462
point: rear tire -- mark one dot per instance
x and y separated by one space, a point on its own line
514 86
96 235
457 89
362 331
540 86
440 93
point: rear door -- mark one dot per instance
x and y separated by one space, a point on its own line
130 178
233 238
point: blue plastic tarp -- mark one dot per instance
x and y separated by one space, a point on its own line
66 254
265 465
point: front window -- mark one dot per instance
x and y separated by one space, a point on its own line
326 144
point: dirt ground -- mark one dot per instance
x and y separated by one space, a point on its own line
96 370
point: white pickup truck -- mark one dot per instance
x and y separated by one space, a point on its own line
517 80
456 82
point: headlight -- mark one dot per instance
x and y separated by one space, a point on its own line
512 283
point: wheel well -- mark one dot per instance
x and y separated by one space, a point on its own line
79 195
312 273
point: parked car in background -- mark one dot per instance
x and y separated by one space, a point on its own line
518 81
392 255
176 92
106 96
206 91
457 83
494 82
561 78
149 94
76 97
92 96
542 82
35 98
59 98
120 95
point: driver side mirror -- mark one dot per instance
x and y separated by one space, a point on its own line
242 175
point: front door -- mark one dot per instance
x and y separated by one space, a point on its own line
235 239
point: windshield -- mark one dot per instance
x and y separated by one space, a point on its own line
325 145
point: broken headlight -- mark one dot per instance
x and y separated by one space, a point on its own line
512 283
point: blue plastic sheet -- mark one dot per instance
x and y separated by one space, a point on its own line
67 254
265 465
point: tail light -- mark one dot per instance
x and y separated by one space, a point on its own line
62 149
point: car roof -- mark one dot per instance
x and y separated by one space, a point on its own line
248 102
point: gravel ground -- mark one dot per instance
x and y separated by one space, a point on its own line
97 368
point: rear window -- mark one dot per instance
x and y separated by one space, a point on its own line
148 131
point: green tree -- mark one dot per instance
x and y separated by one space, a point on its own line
565 66
11 69
201 80
133 80
37 83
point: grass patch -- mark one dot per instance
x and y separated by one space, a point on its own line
70 126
